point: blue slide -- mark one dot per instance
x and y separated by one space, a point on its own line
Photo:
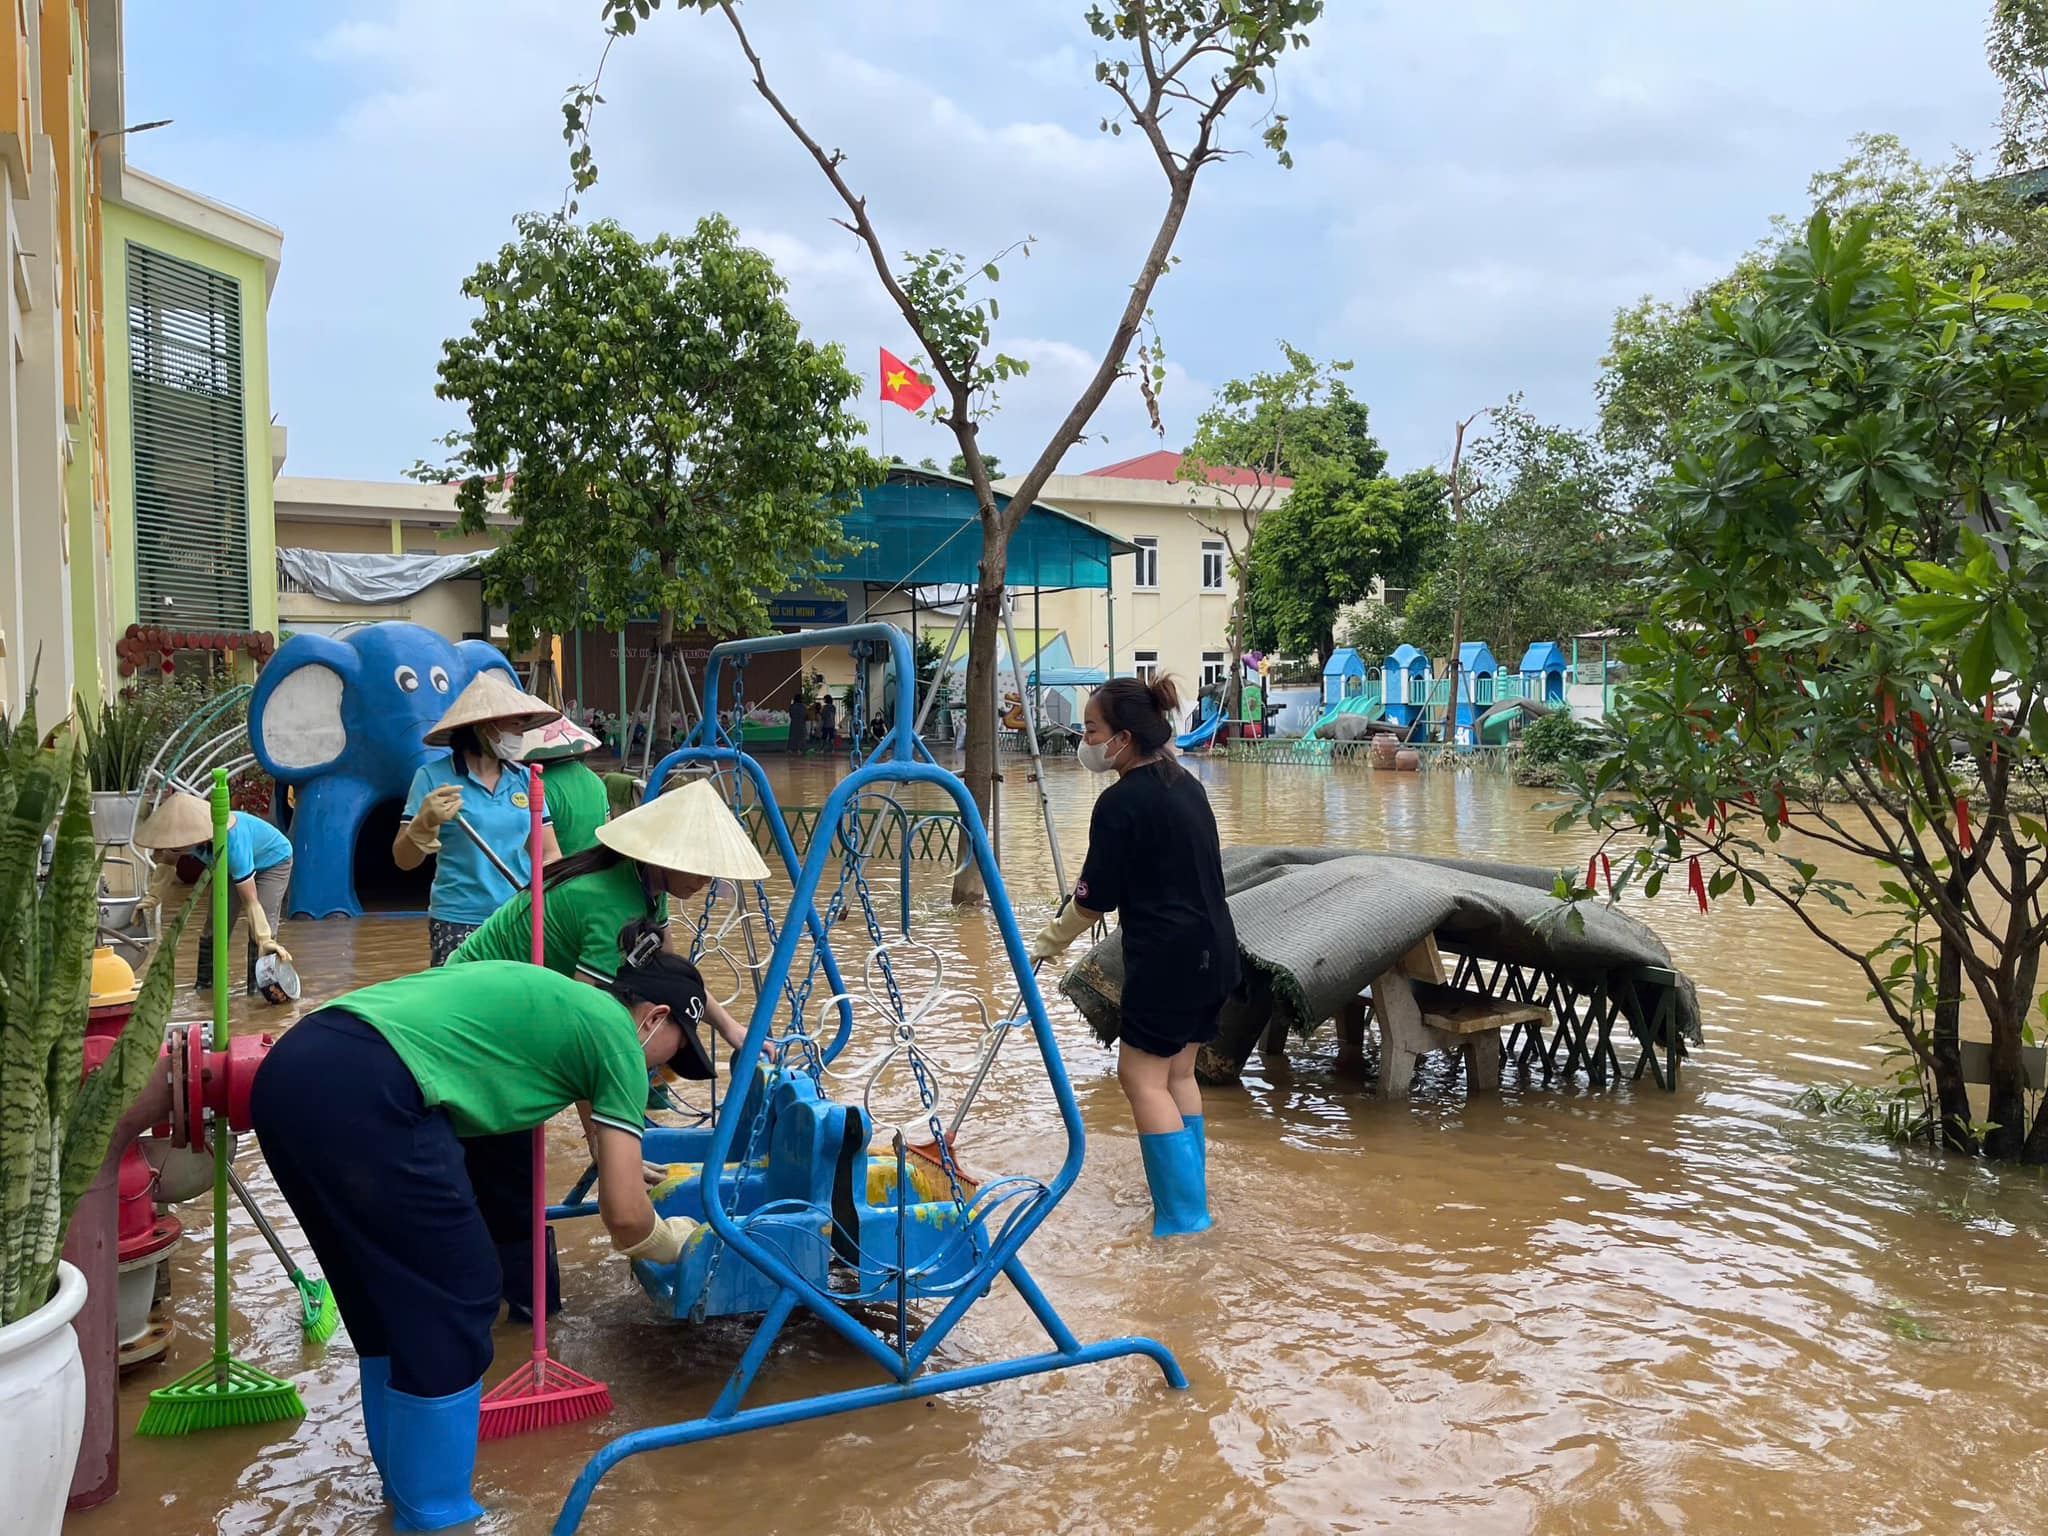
1203 734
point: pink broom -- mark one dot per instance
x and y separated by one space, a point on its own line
541 1393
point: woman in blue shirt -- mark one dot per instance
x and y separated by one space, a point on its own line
259 869
477 783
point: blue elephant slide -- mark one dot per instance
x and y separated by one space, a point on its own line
340 719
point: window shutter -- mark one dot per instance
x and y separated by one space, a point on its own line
191 443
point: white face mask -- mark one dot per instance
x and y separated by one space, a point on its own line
505 745
1094 756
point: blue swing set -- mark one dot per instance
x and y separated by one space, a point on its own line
798 1213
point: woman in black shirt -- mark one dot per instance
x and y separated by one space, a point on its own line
1154 857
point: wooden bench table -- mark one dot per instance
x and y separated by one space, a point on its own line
1419 1013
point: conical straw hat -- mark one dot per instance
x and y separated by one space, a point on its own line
182 821
492 698
688 829
560 740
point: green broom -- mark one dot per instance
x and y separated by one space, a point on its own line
223 1391
319 1316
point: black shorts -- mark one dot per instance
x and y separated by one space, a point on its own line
1163 1033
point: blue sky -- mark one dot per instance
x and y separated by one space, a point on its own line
1478 183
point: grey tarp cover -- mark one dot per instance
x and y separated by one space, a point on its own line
371 578
1347 728
1322 922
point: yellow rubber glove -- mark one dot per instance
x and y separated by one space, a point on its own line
266 941
435 812
162 880
1056 935
665 1244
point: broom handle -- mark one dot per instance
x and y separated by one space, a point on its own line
220 1043
536 800
487 851
262 1222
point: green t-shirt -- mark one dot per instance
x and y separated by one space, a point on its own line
580 922
504 1046
578 803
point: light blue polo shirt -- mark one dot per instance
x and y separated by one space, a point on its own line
253 844
467 886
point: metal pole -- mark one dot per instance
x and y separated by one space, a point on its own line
1052 836
945 667
1037 662
1112 633
625 733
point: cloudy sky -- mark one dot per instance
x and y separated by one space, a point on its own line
1477 183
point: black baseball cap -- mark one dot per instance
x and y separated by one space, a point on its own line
671 980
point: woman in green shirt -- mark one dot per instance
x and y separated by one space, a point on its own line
360 1109
598 904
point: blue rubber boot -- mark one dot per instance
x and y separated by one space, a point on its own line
1199 1125
374 1373
1180 1188
430 1458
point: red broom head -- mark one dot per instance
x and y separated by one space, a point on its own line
540 1397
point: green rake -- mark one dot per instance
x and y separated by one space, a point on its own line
224 1391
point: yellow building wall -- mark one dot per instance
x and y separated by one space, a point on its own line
126 225
1177 619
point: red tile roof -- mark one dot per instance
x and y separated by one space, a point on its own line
1164 464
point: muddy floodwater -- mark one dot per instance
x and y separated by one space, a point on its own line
1561 1310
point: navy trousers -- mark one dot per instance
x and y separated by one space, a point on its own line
377 1182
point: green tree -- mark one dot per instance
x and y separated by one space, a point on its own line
657 426
957 466
1539 552
2017 46
1943 223
1373 630
1266 430
1173 69
1849 579
1321 549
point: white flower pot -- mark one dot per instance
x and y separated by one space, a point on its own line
42 1411
113 815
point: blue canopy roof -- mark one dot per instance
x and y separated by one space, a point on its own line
1408 659
1544 656
926 528
1344 662
1476 656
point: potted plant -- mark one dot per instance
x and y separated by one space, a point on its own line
55 1125
119 739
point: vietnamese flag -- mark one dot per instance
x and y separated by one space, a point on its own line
900 384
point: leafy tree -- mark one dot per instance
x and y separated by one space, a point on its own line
1268 428
1538 553
1321 549
662 434
2017 46
1373 630
1174 70
1849 579
1941 222
957 466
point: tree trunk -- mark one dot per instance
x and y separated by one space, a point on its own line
2008 1108
1952 1095
983 641
2036 1150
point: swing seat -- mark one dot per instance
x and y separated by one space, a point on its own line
817 1196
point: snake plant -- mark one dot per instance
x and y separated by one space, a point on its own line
54 1129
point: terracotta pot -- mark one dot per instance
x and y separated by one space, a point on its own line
1407 760
1382 752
